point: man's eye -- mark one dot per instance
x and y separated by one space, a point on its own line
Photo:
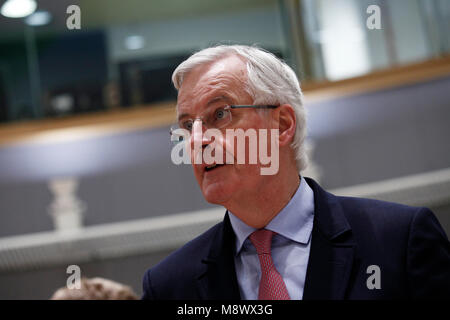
187 125
220 114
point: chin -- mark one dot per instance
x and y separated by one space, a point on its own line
216 193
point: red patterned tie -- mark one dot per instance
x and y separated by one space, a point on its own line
271 286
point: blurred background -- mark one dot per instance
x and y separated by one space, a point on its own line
86 102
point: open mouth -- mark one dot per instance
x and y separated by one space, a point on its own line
212 167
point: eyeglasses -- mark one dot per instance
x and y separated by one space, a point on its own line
218 118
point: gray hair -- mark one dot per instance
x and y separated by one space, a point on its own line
270 81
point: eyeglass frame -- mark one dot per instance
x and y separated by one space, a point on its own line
236 106
227 107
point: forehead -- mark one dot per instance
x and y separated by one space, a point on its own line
225 77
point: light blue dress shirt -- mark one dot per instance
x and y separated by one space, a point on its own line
290 247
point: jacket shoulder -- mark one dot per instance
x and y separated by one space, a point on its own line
178 271
384 212
408 244
385 222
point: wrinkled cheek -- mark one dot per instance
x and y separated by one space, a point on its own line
229 148
242 150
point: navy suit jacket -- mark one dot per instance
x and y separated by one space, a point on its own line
349 234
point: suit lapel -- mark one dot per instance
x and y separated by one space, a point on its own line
217 279
332 249
329 266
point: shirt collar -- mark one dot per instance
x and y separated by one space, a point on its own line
293 222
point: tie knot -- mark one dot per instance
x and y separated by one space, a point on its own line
262 240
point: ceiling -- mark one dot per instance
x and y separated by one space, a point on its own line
101 13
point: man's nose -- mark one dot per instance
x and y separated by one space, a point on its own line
198 136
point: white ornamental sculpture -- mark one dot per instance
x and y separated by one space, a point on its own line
66 209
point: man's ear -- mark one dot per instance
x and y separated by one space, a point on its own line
287 124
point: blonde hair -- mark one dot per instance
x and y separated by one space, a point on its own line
96 289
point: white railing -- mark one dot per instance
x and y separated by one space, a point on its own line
104 241
165 233
429 189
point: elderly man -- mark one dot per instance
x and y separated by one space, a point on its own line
283 236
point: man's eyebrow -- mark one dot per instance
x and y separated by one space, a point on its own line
183 115
219 98
208 104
